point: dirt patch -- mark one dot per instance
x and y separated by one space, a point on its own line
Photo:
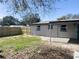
40 52
48 52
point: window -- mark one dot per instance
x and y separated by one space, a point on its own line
38 28
63 28
50 26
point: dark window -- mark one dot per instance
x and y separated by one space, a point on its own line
38 28
50 26
63 28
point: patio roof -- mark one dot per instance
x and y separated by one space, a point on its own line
57 21
68 20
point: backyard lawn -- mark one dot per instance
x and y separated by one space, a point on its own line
18 42
30 47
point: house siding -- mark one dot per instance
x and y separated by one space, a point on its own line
70 33
55 32
43 30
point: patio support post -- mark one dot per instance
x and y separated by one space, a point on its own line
50 34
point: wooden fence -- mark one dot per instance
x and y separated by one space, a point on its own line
8 31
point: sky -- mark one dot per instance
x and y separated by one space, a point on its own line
64 8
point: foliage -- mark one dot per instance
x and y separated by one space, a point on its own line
27 6
31 18
9 20
69 16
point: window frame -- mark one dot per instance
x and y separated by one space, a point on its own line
50 26
63 28
38 27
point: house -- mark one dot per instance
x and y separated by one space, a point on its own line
58 29
40 28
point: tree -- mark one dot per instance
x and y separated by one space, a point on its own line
31 18
27 6
69 16
9 20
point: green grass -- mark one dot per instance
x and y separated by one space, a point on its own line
18 42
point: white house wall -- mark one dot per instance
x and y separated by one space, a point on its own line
44 31
70 33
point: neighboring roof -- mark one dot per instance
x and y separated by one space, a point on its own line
56 21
